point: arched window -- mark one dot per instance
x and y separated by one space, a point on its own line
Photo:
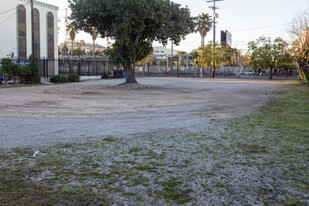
36 29
22 40
50 35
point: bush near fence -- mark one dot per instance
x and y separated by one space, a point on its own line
28 74
64 79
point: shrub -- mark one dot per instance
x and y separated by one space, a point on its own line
105 76
26 74
73 78
59 79
33 72
63 79
8 67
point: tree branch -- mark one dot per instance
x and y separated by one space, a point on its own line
137 38
113 31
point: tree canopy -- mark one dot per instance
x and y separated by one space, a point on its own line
268 54
134 25
225 55
300 46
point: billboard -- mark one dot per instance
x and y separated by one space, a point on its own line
226 37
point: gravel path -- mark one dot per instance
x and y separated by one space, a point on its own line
44 115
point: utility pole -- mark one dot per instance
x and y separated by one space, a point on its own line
172 54
32 26
214 33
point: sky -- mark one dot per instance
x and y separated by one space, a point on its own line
246 20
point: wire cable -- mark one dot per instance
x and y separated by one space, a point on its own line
7 18
6 11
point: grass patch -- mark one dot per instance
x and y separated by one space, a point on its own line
134 149
145 168
172 191
109 139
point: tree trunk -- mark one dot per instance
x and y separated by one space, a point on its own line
130 74
203 41
271 74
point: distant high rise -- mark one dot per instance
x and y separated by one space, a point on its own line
226 37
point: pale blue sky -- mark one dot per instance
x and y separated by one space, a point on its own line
245 19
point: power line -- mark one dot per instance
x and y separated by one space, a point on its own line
6 11
7 18
264 27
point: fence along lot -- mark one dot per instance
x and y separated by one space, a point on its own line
99 67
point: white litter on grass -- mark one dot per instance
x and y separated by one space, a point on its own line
35 153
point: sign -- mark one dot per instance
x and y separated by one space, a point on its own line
23 62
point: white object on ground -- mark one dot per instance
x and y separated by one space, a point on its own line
35 153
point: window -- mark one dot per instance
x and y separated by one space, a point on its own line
50 35
36 30
22 44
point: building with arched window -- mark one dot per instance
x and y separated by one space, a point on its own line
16 31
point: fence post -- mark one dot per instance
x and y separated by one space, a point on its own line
104 68
44 65
47 69
96 67
88 69
70 66
79 73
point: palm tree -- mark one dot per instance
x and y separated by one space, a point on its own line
72 31
203 26
94 36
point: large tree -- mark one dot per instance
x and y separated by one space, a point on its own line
268 54
134 25
300 46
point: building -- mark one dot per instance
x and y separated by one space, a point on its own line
162 51
226 38
16 31
87 47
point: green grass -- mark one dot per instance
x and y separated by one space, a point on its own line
172 191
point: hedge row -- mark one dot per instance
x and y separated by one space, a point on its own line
64 79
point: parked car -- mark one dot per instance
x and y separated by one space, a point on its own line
118 73
250 72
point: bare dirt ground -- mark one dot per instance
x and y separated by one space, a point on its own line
41 115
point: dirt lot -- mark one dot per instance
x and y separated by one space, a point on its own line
40 115
177 142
